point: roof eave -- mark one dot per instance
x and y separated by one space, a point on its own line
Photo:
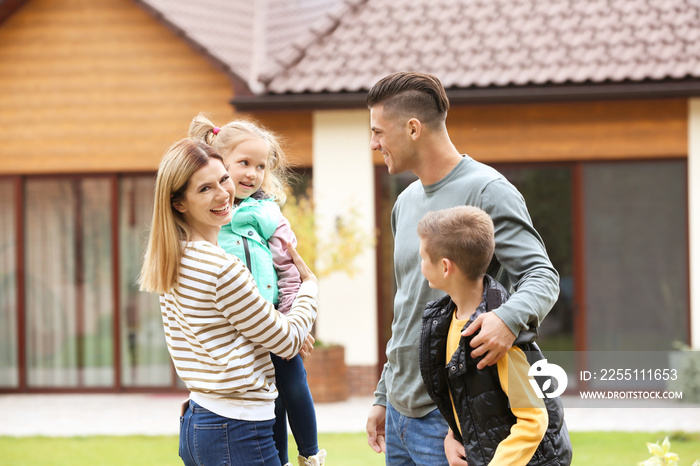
490 95
304 101
8 7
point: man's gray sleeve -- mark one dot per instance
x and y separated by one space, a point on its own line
380 393
525 265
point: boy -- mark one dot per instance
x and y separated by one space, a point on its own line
493 412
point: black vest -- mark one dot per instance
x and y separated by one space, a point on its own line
478 392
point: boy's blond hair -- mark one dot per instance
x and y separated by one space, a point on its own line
462 234
224 140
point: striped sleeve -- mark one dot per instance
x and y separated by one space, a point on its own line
257 320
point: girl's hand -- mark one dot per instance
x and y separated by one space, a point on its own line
305 272
307 348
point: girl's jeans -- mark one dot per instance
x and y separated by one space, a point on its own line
212 440
294 401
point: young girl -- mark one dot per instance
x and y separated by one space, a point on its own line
218 328
257 235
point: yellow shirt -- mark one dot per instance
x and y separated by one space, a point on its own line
529 410
453 337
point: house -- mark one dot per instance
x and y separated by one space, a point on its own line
590 108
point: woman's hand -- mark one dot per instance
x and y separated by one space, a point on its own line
305 272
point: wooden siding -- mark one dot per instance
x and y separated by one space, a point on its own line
98 86
538 132
571 131
546 132
295 130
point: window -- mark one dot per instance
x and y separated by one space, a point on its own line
81 322
9 363
633 272
69 300
636 249
144 355
547 191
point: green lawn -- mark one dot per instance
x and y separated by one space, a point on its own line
590 448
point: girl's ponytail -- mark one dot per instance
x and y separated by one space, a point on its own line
203 129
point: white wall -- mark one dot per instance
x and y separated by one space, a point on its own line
343 177
694 218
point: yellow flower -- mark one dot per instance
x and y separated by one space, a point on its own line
662 454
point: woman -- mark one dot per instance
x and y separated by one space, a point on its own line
218 328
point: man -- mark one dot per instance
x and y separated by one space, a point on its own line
407 118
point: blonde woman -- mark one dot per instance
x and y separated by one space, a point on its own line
218 328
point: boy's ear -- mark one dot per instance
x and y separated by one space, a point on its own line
447 267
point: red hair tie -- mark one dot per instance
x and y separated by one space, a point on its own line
216 130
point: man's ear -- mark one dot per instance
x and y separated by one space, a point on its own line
415 128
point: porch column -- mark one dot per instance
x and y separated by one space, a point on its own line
343 178
694 218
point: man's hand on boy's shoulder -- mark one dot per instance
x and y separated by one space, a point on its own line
494 340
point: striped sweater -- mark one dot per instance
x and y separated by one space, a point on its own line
219 332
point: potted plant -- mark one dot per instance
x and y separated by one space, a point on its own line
327 373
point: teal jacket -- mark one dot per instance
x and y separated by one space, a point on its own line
253 223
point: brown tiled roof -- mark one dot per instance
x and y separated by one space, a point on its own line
228 40
487 43
242 34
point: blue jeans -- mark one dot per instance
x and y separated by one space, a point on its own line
207 439
294 401
415 441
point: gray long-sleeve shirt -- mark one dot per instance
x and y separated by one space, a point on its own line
524 269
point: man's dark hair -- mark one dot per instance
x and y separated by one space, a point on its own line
411 95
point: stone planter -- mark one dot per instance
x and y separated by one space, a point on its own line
327 374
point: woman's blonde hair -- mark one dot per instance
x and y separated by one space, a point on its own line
169 229
224 140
